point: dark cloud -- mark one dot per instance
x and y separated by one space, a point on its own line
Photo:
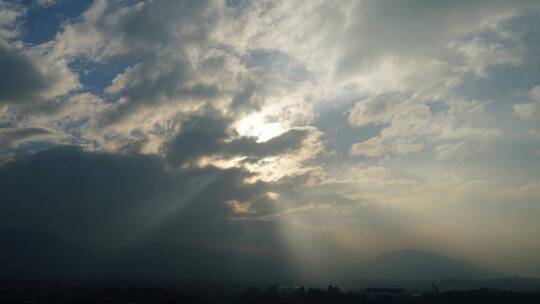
200 135
248 146
21 80
66 212
209 135
22 133
10 139
245 96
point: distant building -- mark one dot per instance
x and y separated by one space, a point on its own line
434 289
376 292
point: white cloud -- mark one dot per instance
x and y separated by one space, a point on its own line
527 111
480 55
374 110
535 93
403 148
409 123
47 3
457 151
372 147
10 12
376 147
292 163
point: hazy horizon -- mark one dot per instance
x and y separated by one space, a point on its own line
284 139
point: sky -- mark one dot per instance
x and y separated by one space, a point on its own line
250 139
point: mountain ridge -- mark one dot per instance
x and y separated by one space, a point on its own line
412 264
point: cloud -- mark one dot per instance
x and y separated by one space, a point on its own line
403 28
377 146
156 81
98 207
114 29
481 55
457 151
199 136
176 66
161 50
13 138
73 120
328 105
47 3
29 74
210 135
9 13
22 80
374 110
26 79
529 112
410 122
535 93
526 111
371 148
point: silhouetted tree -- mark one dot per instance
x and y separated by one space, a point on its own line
300 292
333 290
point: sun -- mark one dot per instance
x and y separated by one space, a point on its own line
256 126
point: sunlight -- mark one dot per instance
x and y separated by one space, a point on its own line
256 126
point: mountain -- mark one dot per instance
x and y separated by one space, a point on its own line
421 265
